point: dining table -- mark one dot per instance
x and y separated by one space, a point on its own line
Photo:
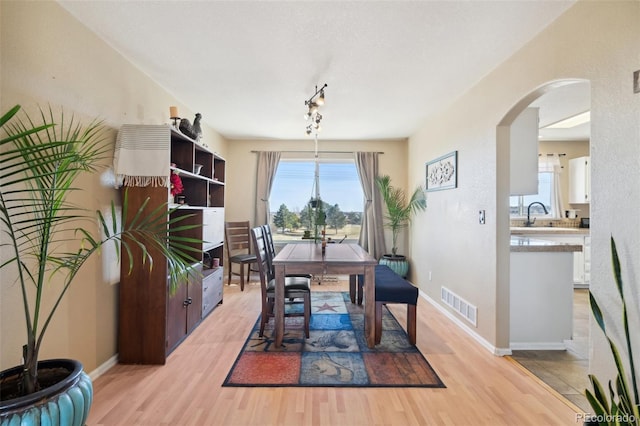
334 259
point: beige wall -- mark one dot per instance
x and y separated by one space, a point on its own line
48 57
597 41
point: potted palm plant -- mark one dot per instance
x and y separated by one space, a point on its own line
46 239
398 216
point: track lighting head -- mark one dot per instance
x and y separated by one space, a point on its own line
316 100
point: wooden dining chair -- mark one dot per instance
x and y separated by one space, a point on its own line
297 289
238 243
271 251
269 245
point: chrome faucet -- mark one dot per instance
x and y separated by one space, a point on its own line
529 222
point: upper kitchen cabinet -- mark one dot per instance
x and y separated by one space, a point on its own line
580 180
524 153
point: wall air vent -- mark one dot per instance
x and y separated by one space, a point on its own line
459 305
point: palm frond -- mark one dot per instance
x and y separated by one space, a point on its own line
399 210
45 233
621 406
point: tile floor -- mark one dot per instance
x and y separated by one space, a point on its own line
565 371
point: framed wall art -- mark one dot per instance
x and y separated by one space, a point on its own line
442 173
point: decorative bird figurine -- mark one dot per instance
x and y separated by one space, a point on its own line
186 128
197 129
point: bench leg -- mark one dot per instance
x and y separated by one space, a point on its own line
411 323
360 291
378 322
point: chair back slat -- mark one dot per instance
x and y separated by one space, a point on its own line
260 250
237 237
271 250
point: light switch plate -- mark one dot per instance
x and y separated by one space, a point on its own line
636 81
481 217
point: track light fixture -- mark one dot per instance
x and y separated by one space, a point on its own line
316 100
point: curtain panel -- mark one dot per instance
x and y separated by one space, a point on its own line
372 231
550 163
267 166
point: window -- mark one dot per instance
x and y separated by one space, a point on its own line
518 203
293 188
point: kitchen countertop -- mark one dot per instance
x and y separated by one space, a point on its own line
532 230
526 244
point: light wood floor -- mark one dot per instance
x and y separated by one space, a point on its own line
482 389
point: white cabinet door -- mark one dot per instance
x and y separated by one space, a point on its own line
213 227
212 290
524 153
587 259
580 180
578 267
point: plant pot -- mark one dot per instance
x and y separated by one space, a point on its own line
398 263
65 400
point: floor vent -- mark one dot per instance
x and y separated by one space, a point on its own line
461 306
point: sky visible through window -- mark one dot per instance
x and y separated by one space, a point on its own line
339 184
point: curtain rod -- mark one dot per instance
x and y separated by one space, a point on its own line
319 152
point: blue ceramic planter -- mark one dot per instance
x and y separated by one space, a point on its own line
397 264
66 403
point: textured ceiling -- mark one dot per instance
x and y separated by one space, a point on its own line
248 66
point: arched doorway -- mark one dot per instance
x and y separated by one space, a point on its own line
558 92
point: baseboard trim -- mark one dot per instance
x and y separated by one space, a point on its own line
478 338
538 346
104 367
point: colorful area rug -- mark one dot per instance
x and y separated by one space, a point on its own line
335 354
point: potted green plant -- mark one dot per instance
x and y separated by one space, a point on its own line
320 219
314 202
313 217
621 406
44 245
398 216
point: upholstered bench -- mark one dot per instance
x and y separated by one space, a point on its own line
390 288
